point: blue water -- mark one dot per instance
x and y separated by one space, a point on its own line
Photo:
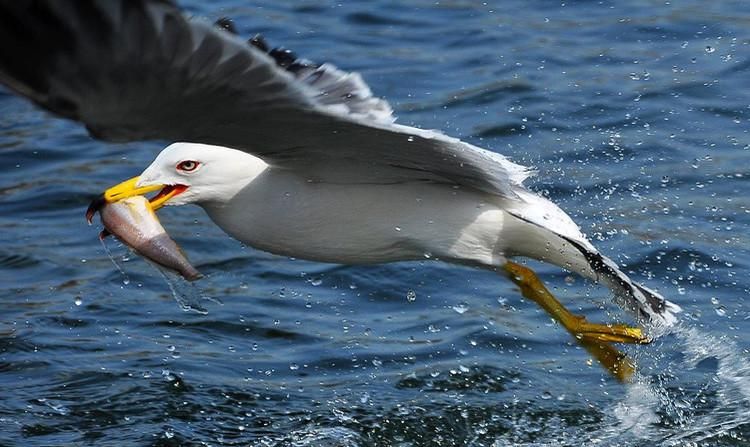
636 115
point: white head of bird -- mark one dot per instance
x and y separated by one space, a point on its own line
209 173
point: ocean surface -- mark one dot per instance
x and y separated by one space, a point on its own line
636 116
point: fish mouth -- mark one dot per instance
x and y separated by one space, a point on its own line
127 189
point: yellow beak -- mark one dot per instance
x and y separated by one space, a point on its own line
128 189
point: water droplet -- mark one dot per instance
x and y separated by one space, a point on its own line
397 228
570 280
710 49
126 281
410 139
376 362
721 311
316 282
546 395
411 296
364 398
714 301
461 308
293 366
78 301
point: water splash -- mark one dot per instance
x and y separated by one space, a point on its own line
637 413
730 384
321 437
670 415
694 391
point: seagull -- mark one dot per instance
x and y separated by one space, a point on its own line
293 157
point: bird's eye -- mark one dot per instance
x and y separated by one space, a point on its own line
188 166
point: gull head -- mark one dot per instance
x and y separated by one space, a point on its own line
186 173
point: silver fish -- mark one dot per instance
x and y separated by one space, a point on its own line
134 222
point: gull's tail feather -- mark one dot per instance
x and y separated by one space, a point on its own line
544 232
650 308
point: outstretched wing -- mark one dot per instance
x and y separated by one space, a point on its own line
138 69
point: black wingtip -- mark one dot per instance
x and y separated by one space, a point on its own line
283 57
259 42
226 24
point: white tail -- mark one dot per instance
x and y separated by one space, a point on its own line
553 237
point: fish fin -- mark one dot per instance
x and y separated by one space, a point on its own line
191 275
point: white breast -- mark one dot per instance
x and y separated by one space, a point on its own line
284 214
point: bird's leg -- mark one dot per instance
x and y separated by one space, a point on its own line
533 289
595 338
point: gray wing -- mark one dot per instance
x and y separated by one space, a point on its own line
138 70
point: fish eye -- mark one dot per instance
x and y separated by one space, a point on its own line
188 165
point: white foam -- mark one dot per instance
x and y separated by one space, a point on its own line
638 414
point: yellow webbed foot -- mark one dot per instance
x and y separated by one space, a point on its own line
596 338
613 333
